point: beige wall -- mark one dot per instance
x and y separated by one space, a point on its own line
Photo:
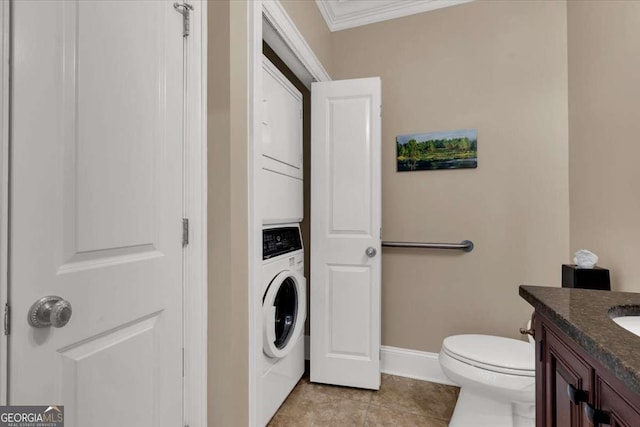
604 129
501 68
228 218
307 17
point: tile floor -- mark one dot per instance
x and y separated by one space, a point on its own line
400 402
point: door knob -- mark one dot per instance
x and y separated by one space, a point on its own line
371 252
50 311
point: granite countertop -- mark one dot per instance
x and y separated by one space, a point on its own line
584 315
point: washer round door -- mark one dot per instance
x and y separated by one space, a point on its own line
284 309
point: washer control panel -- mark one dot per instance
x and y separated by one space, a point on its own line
280 241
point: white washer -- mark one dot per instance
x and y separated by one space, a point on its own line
284 305
281 175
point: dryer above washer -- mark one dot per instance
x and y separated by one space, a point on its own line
281 189
281 123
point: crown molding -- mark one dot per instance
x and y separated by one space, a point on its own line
344 14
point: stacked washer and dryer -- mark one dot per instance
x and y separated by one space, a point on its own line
283 282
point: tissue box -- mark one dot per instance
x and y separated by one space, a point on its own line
585 278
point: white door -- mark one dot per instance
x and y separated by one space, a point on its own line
345 232
96 208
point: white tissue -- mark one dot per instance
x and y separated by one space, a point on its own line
585 259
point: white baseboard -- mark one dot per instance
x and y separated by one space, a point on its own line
403 362
419 365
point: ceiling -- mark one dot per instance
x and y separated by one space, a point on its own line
343 14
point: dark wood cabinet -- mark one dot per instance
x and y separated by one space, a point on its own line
568 383
620 411
575 390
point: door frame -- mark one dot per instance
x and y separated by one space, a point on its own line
5 32
275 13
194 208
195 291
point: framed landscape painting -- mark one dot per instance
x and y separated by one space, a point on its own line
437 150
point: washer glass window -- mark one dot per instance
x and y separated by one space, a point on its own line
286 304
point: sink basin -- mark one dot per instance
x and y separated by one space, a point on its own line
630 323
627 316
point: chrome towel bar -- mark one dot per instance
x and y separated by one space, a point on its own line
465 245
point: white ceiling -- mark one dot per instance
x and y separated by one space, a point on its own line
343 14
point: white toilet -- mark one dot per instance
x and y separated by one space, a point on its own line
497 380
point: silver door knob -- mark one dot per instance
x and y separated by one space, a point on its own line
371 252
50 311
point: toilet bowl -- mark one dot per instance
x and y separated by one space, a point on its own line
497 371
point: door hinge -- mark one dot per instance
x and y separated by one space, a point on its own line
541 350
7 319
185 232
184 9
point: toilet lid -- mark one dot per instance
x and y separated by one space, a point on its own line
497 354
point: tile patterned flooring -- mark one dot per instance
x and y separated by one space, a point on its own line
400 402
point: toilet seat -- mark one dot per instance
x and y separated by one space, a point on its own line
496 354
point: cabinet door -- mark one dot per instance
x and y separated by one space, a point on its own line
621 412
564 368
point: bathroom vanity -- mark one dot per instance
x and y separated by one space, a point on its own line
587 366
